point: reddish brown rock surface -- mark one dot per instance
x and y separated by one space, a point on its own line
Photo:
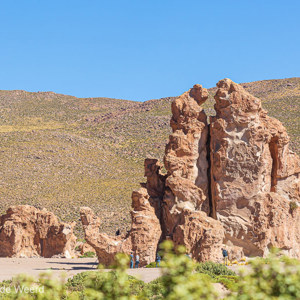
26 232
234 181
142 239
186 201
254 175
106 247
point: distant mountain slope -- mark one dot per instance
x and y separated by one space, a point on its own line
63 152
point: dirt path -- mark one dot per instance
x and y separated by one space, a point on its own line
10 267
66 268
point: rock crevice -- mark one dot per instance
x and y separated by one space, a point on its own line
228 182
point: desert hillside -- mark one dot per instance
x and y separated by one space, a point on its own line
63 152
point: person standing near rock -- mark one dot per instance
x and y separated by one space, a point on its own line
131 260
158 258
225 256
137 261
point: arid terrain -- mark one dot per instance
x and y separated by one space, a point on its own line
63 152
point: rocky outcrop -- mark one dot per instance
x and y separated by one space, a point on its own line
186 203
254 175
106 247
146 230
233 182
142 239
186 153
26 232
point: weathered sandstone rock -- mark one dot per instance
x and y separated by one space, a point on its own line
186 158
201 235
254 175
145 231
26 232
234 183
142 239
84 247
186 204
106 247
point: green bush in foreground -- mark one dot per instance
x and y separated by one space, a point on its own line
274 278
179 280
279 278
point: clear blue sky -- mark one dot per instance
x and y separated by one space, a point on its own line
143 49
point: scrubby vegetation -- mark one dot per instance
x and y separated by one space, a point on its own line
182 278
151 265
276 278
88 254
62 152
293 206
213 269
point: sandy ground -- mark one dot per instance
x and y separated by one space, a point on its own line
59 267
66 268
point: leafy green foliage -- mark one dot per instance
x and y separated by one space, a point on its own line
179 280
151 265
213 269
26 288
272 279
279 278
229 281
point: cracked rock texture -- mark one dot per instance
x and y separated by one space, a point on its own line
232 182
254 175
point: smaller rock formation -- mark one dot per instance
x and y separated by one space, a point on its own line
142 239
145 231
27 232
201 235
106 247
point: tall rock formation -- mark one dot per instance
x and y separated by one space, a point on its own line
232 182
186 203
26 232
254 176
